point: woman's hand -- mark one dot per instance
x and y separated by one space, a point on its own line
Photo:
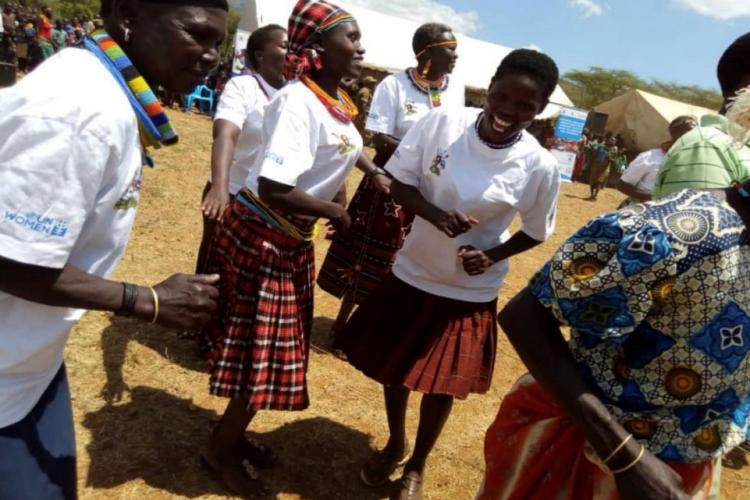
651 479
185 301
215 202
382 183
475 261
454 223
339 217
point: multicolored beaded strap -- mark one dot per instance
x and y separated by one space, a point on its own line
343 108
432 89
154 124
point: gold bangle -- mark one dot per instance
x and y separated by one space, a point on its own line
635 462
156 304
618 449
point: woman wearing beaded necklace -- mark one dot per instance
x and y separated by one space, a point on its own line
71 157
430 327
360 258
258 341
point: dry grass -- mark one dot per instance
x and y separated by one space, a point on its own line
146 444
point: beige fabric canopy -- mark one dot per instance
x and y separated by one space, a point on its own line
643 118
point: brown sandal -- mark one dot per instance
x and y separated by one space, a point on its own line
377 471
410 487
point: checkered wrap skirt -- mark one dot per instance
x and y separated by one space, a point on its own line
258 339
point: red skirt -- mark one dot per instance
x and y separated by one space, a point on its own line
430 344
360 258
533 450
258 340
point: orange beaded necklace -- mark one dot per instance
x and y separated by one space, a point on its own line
343 108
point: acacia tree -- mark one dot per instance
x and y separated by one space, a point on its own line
588 88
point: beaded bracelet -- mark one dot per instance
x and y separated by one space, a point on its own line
129 298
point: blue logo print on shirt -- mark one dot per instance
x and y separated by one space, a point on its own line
38 223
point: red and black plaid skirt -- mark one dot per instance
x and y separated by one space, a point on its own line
258 339
430 344
360 258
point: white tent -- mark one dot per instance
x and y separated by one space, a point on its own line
644 118
387 40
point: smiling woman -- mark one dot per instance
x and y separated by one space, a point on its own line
70 168
258 340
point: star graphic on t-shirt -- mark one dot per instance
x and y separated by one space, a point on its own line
392 209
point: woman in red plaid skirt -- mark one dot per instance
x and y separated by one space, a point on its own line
258 341
466 174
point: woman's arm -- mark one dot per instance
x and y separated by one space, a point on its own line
293 200
476 261
225 134
632 191
385 145
379 178
184 301
452 222
536 337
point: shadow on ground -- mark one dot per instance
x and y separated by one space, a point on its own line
156 437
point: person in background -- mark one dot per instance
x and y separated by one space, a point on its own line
87 25
258 340
9 20
237 127
59 37
71 157
581 156
359 259
652 387
466 173
44 34
364 99
639 178
707 157
603 159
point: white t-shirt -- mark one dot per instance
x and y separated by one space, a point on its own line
398 104
243 103
445 159
643 171
304 145
70 178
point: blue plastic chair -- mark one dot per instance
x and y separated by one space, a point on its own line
203 95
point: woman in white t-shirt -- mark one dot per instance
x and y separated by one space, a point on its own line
74 138
258 341
431 327
359 259
237 126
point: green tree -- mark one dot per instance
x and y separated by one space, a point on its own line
77 8
588 88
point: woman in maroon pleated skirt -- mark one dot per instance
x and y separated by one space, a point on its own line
430 326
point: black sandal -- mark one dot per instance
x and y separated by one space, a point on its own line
258 454
377 471
252 485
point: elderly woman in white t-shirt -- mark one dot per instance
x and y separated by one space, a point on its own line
430 327
359 259
74 139
237 126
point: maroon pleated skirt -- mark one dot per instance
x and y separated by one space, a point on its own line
430 344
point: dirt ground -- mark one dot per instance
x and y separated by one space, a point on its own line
140 392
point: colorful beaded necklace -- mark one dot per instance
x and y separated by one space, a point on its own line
343 108
154 125
432 89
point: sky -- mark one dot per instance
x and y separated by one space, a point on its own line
670 40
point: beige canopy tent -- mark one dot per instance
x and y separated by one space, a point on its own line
643 118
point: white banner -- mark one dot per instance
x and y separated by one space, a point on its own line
240 47
568 133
